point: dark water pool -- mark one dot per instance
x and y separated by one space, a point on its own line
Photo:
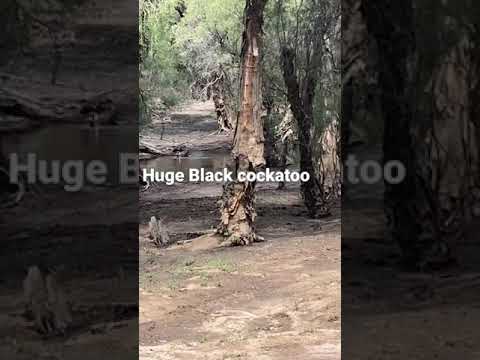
73 142
208 160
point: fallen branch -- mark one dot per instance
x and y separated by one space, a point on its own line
97 107
176 150
144 147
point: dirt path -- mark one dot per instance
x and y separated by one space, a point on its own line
192 126
277 300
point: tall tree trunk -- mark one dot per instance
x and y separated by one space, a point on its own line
302 109
410 205
238 205
218 94
283 161
268 132
475 107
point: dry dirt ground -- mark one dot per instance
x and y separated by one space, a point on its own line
431 315
278 300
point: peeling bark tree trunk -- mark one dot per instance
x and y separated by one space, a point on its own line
302 108
475 109
283 161
396 86
271 159
219 97
409 205
238 205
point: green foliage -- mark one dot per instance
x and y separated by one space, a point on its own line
18 17
208 40
298 23
162 80
184 44
219 20
157 18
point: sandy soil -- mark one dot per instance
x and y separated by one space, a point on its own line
279 299
391 312
411 315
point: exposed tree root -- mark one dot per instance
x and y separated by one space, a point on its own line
238 214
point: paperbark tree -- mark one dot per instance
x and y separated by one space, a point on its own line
238 205
303 47
302 108
410 205
218 93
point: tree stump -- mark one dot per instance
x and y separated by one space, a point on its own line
46 302
158 232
